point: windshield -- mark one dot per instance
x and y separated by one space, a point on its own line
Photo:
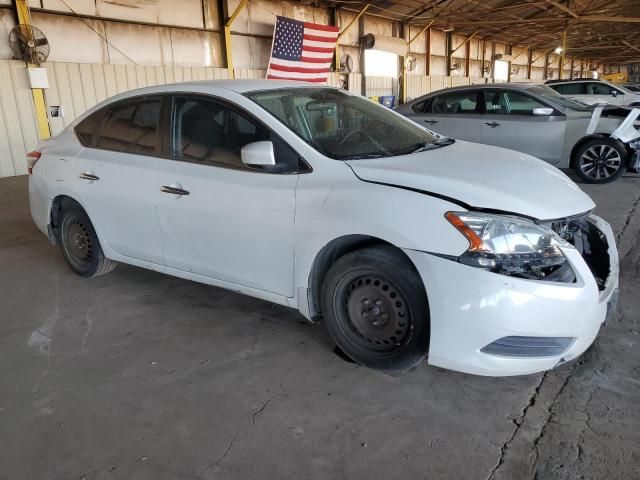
345 127
551 95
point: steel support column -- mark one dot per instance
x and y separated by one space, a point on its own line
44 130
227 36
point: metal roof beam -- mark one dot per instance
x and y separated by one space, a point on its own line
563 8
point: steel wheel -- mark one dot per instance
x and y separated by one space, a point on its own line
600 162
77 242
375 313
375 308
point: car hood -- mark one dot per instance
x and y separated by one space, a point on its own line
482 177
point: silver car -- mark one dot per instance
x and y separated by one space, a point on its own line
599 142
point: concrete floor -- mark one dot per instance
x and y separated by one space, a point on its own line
137 375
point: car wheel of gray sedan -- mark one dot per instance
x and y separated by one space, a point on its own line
600 160
79 244
375 308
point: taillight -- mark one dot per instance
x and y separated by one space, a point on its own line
32 158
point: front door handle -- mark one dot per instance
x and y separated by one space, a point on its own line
173 190
430 122
492 124
89 176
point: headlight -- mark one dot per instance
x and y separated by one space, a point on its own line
512 246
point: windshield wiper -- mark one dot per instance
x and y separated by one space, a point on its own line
442 142
363 156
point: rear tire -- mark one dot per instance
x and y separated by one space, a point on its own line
375 308
601 160
79 244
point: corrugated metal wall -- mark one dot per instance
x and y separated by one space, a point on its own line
76 87
79 86
18 130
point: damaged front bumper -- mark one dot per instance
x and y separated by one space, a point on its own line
490 324
626 132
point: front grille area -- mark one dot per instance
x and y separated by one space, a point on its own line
517 346
589 241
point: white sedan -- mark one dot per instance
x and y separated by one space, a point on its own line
407 244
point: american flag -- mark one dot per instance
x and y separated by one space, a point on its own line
301 51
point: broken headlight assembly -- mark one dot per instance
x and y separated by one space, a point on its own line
512 246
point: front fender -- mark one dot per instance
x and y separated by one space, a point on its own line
349 206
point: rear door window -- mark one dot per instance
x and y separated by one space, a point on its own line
422 107
570 88
132 127
462 102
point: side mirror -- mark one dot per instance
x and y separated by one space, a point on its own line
543 111
614 93
258 154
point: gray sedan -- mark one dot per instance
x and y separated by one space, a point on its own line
599 142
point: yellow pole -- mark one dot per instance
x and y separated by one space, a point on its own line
344 30
44 131
227 36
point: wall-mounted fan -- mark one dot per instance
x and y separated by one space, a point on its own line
411 62
28 44
346 63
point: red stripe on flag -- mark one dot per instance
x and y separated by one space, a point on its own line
317 38
317 49
316 26
315 60
313 80
283 68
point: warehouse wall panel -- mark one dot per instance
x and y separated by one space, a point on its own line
6 24
18 129
378 86
78 87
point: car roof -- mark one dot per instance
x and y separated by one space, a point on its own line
214 86
476 86
565 80
578 80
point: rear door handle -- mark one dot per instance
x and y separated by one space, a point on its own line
492 124
173 190
430 122
89 176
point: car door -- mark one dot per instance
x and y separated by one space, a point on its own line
220 218
455 114
509 122
116 172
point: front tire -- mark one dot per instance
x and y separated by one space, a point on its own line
601 160
79 244
375 308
